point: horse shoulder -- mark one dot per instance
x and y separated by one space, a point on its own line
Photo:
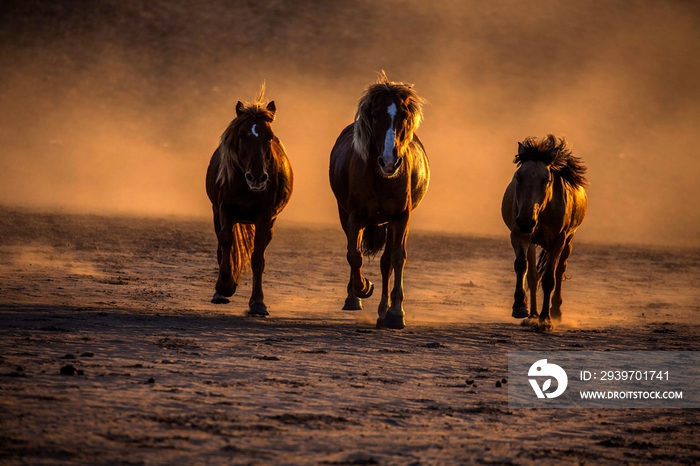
212 173
339 170
342 149
285 175
420 171
507 206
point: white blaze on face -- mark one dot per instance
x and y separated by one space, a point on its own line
390 138
252 130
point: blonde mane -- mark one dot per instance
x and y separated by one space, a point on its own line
363 116
228 143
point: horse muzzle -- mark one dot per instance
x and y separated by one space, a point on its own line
257 183
389 169
526 226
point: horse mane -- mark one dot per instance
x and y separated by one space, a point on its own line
228 149
557 154
363 116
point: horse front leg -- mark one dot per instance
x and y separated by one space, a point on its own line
225 285
533 278
548 280
398 232
558 277
352 302
217 227
360 286
263 236
385 266
520 246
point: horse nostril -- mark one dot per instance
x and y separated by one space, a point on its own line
249 177
398 162
380 161
264 178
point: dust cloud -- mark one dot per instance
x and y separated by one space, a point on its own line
115 107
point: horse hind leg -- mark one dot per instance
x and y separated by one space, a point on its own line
225 285
559 275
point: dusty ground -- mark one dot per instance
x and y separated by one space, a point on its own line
168 378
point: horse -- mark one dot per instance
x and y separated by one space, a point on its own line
249 181
543 206
379 173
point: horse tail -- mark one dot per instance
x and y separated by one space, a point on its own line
242 249
541 263
373 239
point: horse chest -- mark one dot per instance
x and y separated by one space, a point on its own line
246 206
384 209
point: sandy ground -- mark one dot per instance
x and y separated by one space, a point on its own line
168 378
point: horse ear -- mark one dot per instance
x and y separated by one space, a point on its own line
239 108
521 148
271 107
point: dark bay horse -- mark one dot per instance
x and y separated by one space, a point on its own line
543 206
249 182
379 173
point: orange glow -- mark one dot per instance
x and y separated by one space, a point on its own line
110 126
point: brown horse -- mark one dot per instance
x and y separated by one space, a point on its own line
249 182
543 206
379 173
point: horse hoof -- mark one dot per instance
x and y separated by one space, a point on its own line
394 321
380 323
366 291
220 299
258 310
520 312
545 325
352 304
